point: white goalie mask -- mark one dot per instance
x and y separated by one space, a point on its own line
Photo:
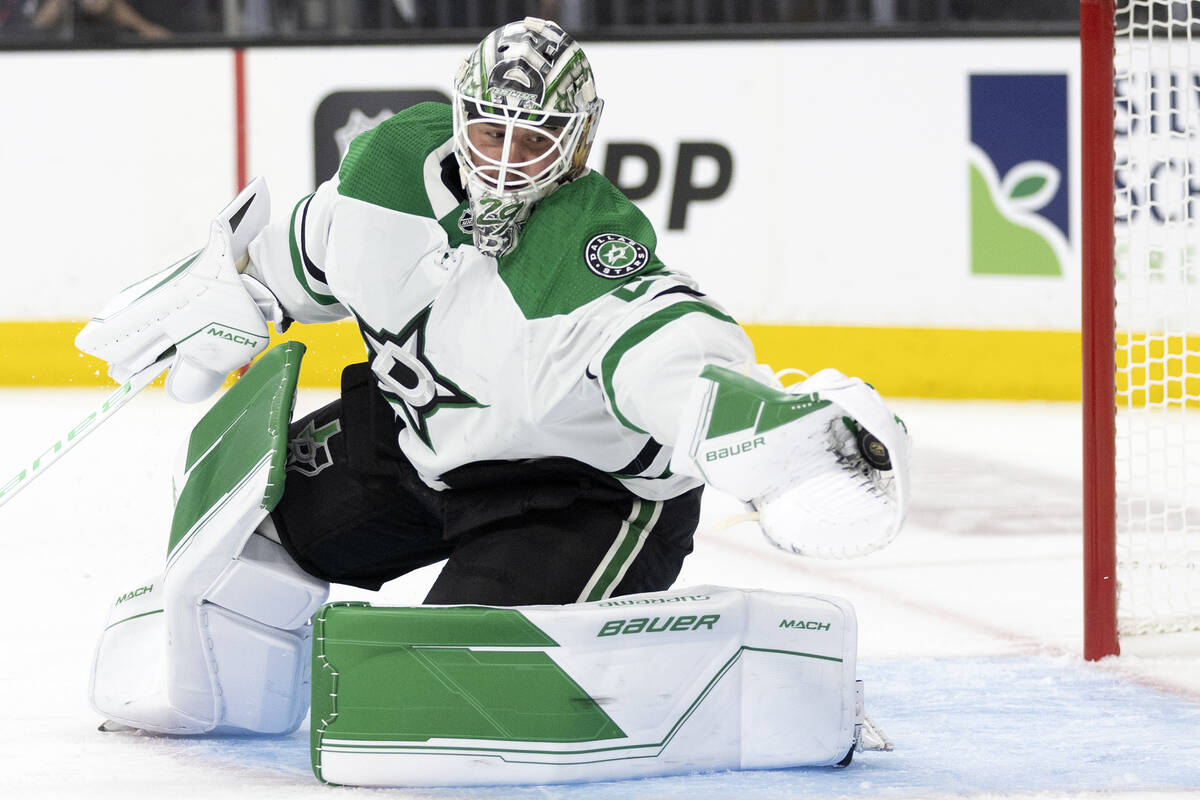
525 115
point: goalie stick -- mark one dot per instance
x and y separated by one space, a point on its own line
122 395
244 217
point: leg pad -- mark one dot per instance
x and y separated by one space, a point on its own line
220 641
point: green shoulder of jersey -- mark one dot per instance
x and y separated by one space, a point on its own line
582 242
385 166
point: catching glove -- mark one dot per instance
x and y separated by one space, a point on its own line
823 463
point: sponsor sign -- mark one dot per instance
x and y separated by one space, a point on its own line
1019 175
834 202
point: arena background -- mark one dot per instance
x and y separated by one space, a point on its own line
903 207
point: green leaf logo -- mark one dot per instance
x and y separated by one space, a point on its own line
1030 186
1027 187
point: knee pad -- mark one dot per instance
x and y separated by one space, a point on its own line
219 642
184 655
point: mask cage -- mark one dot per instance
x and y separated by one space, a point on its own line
564 132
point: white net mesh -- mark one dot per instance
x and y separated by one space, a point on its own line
1157 144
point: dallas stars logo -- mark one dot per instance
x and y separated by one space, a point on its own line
308 452
611 255
406 377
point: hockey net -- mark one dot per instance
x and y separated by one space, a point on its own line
1141 193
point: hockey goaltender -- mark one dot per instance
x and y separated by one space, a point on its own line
542 404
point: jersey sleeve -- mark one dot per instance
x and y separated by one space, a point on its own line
289 257
668 334
384 166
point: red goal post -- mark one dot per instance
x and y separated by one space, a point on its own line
1099 335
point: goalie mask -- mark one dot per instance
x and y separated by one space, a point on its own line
525 114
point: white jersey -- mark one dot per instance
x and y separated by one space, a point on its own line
579 343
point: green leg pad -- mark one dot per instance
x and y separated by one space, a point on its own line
247 425
705 678
409 675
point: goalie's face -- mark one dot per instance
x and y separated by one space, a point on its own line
512 156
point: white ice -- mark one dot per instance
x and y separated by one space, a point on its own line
970 627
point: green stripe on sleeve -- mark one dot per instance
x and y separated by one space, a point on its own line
639 333
298 262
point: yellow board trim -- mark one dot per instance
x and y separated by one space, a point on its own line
950 363
44 354
900 362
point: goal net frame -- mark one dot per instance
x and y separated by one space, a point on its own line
1141 361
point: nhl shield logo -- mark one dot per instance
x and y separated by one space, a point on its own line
611 255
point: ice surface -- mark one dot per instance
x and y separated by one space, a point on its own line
970 631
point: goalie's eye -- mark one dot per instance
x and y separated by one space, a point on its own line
522 148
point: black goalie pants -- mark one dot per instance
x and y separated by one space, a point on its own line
544 531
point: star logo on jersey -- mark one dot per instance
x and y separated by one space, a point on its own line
408 379
611 255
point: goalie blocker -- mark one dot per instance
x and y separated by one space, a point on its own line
201 310
704 678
